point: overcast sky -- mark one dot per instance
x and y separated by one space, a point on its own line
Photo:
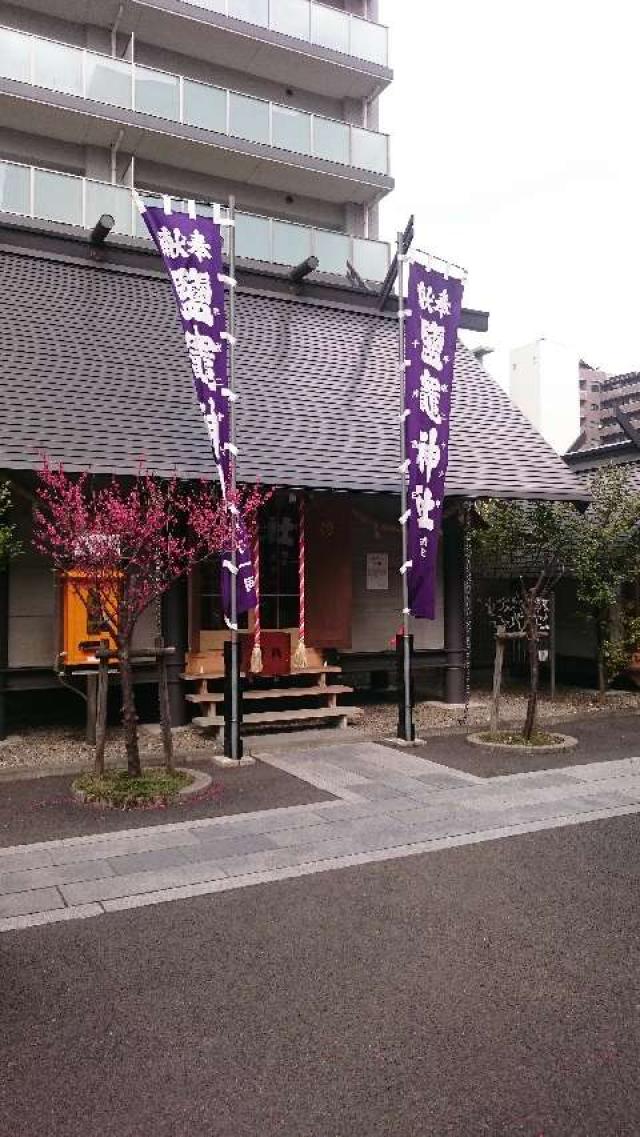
514 139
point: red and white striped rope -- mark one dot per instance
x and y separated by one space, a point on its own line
300 655
256 651
301 563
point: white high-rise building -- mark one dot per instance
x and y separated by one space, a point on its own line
544 383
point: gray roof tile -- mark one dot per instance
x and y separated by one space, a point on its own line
93 371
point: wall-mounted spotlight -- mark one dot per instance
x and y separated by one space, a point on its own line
102 228
298 273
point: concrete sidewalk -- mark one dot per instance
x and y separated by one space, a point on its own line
391 804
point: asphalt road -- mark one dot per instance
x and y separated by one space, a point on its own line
487 990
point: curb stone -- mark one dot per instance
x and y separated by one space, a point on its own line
565 742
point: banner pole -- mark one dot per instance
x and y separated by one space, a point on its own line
235 743
405 723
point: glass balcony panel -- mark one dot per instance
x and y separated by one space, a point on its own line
331 140
157 93
57 197
140 229
291 243
248 118
205 106
370 258
108 80
291 18
211 5
369 150
291 129
253 237
57 67
253 11
329 28
14 188
332 250
369 41
116 200
15 55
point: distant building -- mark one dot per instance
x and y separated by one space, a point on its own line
544 385
592 382
609 408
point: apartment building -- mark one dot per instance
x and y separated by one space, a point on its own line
274 101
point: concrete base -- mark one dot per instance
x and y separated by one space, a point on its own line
232 763
404 742
442 706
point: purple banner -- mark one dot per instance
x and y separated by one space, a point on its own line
434 307
191 248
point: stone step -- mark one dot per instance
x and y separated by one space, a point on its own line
192 677
275 693
268 718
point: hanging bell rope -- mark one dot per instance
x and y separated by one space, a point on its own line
255 664
300 654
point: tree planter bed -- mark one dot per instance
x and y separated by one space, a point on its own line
542 743
115 790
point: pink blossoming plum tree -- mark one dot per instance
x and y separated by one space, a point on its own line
127 542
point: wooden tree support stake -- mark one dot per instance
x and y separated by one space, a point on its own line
101 687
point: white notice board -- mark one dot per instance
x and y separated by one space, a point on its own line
377 572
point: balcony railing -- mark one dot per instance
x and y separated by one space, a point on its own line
119 83
315 23
68 199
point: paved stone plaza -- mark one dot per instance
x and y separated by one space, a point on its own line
390 804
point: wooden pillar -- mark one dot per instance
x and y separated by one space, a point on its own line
454 629
4 648
175 631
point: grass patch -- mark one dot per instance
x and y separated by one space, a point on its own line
516 738
118 789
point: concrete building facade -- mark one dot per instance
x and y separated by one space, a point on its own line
274 101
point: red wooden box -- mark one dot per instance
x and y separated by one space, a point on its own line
276 653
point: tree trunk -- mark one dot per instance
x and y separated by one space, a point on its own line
129 717
534 672
602 673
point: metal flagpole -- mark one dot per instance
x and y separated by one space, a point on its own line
236 749
405 723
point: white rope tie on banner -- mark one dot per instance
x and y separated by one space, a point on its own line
233 627
166 204
405 517
430 260
407 364
231 448
231 567
405 313
230 281
403 468
405 567
139 202
404 415
406 611
191 209
232 396
228 337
